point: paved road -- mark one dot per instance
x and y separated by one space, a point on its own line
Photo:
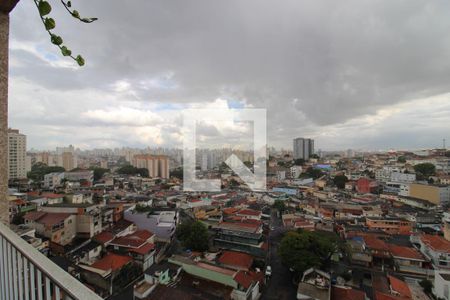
280 284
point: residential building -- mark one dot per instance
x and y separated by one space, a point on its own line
88 216
436 194
365 185
157 165
241 236
390 225
60 228
17 148
303 148
437 249
315 284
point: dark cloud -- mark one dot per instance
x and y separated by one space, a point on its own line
312 63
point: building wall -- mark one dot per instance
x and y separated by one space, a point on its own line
425 192
303 148
17 146
441 285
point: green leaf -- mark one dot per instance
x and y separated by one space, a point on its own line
44 8
65 51
80 60
56 39
69 3
49 23
75 14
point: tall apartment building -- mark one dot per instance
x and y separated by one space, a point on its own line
303 148
17 148
157 165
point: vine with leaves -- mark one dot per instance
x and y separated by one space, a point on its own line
44 9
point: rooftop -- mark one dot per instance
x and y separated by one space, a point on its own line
237 259
112 261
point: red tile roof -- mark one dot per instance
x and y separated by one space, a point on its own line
405 252
48 219
104 237
246 278
144 249
133 240
436 243
400 287
112 261
237 259
375 244
383 296
338 293
249 212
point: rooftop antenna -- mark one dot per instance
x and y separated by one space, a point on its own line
443 144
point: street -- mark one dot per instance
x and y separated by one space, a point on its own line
279 285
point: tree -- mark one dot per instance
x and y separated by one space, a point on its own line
130 170
401 159
314 173
425 170
301 250
314 156
98 172
279 205
340 180
299 162
193 235
39 170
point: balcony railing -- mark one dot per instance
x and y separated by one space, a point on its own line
26 274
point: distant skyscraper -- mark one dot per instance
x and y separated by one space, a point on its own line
303 148
17 152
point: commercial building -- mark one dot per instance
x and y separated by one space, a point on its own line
157 165
303 148
435 194
17 147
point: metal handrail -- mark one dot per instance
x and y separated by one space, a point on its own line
63 280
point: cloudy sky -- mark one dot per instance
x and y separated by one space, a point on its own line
350 74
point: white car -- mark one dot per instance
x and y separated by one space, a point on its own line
268 270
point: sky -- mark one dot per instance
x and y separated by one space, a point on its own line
354 74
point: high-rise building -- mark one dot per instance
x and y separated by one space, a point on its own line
68 161
17 152
303 148
157 165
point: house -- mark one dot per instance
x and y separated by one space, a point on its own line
315 285
158 274
347 293
162 222
245 284
86 253
139 245
437 249
409 260
110 273
241 236
365 185
249 214
60 228
236 260
390 288
88 216
390 225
